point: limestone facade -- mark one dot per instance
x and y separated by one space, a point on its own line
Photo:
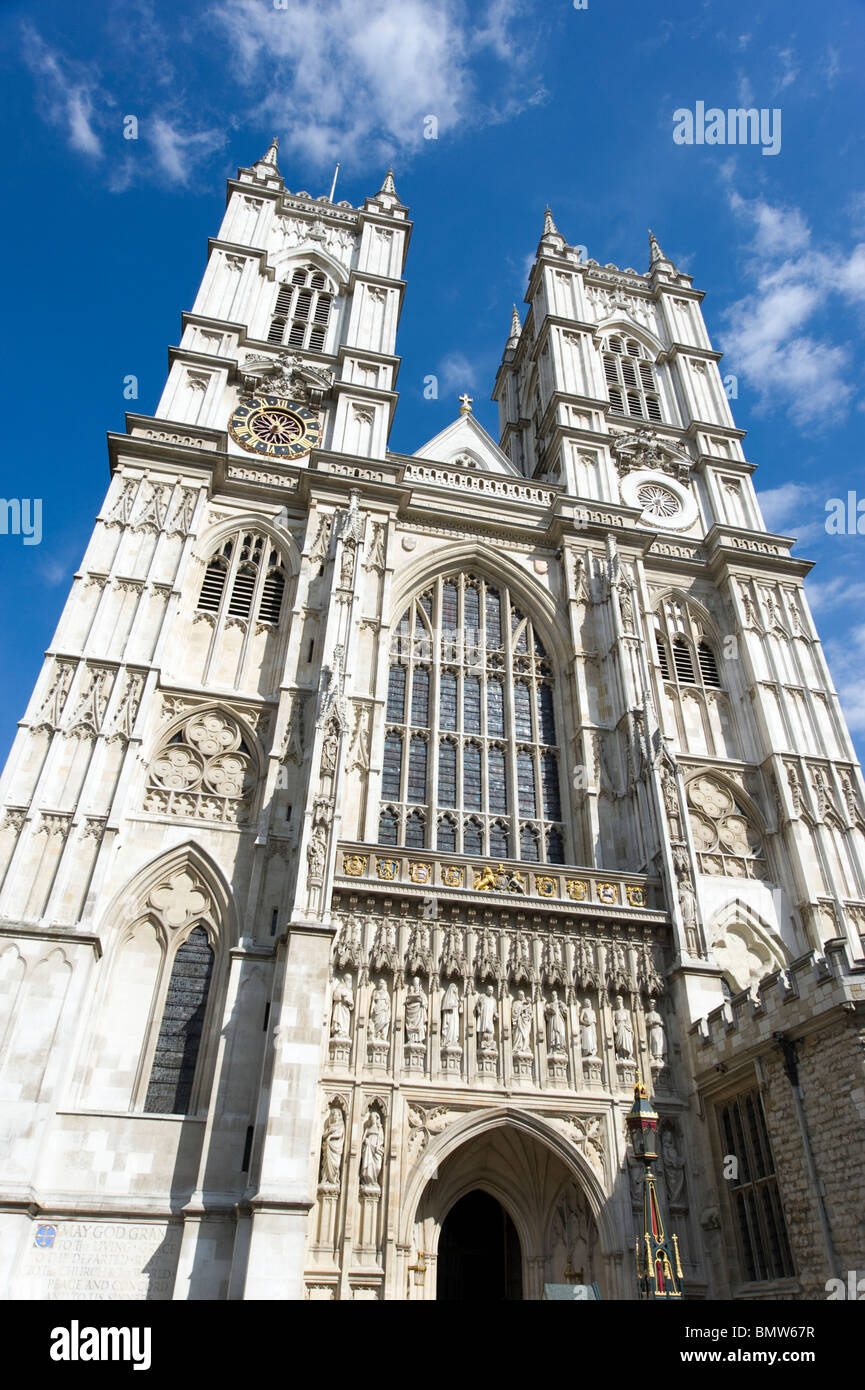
378 820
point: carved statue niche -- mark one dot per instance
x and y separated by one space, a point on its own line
332 1149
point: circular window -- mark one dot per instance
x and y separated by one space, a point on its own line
665 504
658 501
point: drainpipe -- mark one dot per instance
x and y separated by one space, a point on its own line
787 1047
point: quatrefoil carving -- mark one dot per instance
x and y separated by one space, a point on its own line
179 899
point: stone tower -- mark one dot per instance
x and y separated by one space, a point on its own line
379 821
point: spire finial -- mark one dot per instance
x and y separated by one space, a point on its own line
516 329
657 259
466 402
550 228
388 186
268 160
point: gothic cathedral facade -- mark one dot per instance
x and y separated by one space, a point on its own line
378 821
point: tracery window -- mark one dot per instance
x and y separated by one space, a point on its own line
169 1090
630 376
205 770
727 841
302 310
470 752
245 577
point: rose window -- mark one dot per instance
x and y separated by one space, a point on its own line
658 501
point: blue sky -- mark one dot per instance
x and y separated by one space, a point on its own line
534 103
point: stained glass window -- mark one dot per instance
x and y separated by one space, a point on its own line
469 664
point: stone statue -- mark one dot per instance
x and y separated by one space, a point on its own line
674 1166
341 1007
588 1030
623 1032
555 1016
332 1145
372 1153
671 803
379 1013
452 1007
521 1024
657 1035
415 1013
487 1013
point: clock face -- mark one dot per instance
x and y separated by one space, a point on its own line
275 426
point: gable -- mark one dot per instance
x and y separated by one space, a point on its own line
467 444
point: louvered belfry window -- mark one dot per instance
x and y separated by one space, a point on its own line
301 311
686 657
471 763
630 378
245 578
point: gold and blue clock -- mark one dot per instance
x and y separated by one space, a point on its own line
275 426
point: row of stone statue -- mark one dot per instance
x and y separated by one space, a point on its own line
333 1148
486 1013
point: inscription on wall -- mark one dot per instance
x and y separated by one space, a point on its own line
97 1260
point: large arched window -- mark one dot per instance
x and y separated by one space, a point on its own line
169 1090
302 310
470 757
245 578
690 666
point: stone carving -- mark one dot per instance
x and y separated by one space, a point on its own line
618 975
376 557
453 961
520 965
555 1016
419 957
648 978
451 1008
657 1036
329 749
587 1135
385 952
623 1032
342 1005
671 802
554 962
180 899
51 708
588 1030
487 1014
674 1167
645 449
203 770
372 1154
321 545
123 720
379 1013
585 973
521 1025
332 1147
349 947
293 743
358 756
415 1013
487 965
316 850
425 1123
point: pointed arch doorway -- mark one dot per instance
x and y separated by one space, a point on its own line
479 1255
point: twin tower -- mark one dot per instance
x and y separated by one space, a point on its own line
379 821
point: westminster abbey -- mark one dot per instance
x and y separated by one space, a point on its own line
380 821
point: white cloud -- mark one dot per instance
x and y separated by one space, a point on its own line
789 68
176 150
67 92
456 373
829 594
781 506
349 81
847 663
770 337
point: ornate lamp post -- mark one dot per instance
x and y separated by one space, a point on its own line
655 1275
